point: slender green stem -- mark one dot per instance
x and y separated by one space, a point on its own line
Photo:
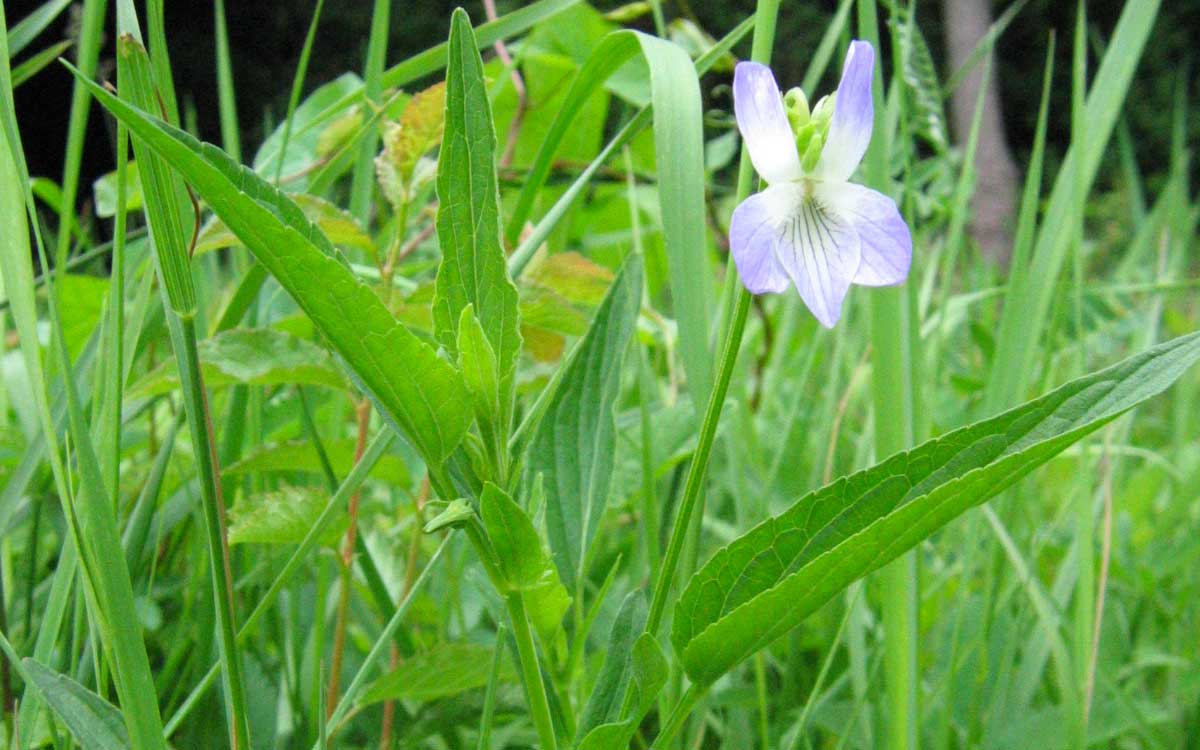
678 716
91 34
1085 581
226 99
764 38
531 673
363 178
489 696
695 477
297 87
204 448
892 390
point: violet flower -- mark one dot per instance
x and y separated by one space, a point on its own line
810 226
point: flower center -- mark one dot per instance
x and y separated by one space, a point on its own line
810 128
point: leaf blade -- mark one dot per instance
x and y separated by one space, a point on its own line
413 388
474 269
575 441
765 582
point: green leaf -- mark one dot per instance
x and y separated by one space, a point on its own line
280 516
96 723
162 193
259 356
614 736
474 269
317 108
302 456
444 671
516 541
679 154
765 582
604 704
410 385
523 562
576 437
546 602
339 226
928 114
104 191
650 671
478 362
37 62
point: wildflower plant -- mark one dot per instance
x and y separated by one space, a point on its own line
498 394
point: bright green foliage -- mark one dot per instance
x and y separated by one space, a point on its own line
604 704
524 565
405 377
260 356
302 456
444 671
473 269
95 723
573 447
281 516
767 581
104 190
480 374
164 201
517 545
650 670
367 364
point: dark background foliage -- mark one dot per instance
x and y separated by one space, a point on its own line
266 38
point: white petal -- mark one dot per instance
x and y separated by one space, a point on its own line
758 106
853 116
817 249
885 238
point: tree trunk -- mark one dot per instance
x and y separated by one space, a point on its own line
966 22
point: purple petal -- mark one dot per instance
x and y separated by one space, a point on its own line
753 235
758 106
817 249
885 238
853 116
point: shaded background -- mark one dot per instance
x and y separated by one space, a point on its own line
266 38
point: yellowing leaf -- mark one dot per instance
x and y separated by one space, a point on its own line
339 226
405 141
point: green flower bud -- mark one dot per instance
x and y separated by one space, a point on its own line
823 112
795 103
804 135
812 154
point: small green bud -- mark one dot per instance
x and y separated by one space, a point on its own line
823 112
795 103
804 134
812 154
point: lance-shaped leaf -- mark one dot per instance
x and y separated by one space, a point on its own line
604 704
96 723
473 270
576 438
765 582
523 563
411 386
650 670
444 671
